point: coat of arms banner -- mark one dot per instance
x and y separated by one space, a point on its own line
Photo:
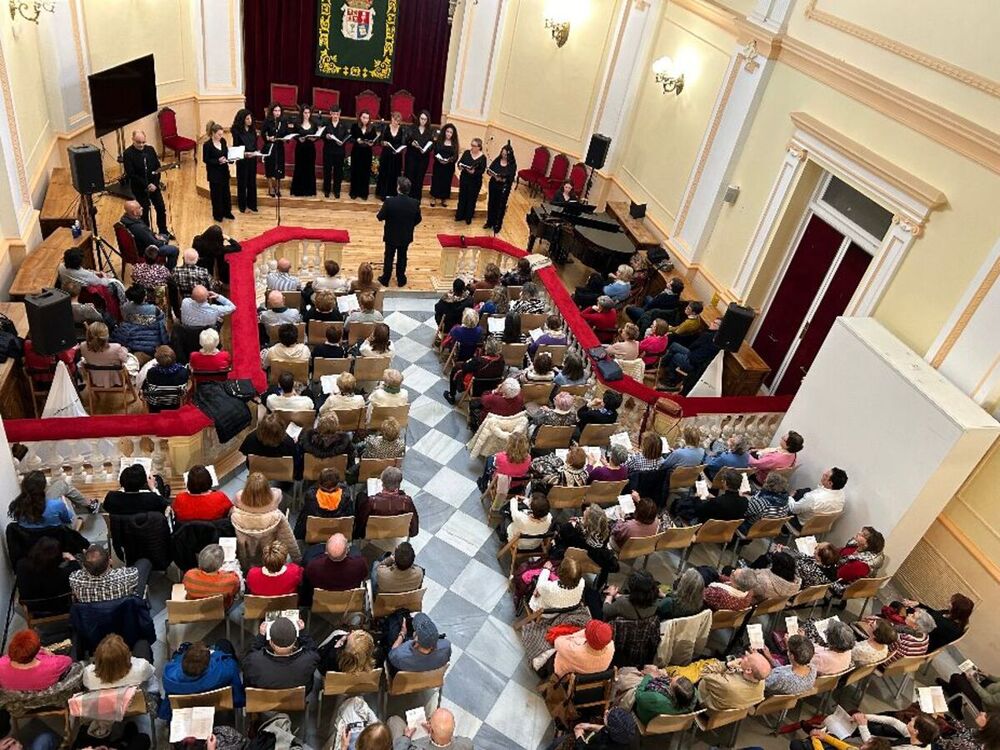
356 39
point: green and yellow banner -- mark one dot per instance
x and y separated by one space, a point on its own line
356 39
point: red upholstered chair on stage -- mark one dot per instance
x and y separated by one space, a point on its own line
557 175
324 99
368 100
169 137
402 102
577 175
535 174
285 94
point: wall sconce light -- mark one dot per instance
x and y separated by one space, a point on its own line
557 19
30 11
667 76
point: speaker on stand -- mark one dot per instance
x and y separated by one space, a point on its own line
597 155
87 172
734 327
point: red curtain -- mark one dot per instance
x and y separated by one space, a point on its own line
279 46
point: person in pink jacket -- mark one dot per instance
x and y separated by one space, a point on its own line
654 344
781 457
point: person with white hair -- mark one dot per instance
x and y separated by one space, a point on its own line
390 392
204 308
210 359
189 274
277 313
281 277
505 401
621 283
560 414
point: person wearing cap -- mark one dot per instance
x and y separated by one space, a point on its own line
284 657
441 728
586 651
426 650
618 732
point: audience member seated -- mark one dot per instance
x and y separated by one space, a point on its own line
388 442
344 396
97 581
281 656
138 494
282 279
328 498
32 510
115 667
659 694
440 728
519 275
643 522
204 309
190 274
642 599
288 349
728 505
780 457
602 317
686 331
83 312
389 501
817 569
590 532
770 501
488 365
796 677
620 287
513 462
540 371
603 410
450 309
200 502
618 732
768 583
560 414
497 304
530 302
147 274
552 335
919 733
332 282
504 401
465 335
654 343
586 651
949 624
686 597
691 454
269 439
549 470
210 358
258 521
275 576
736 684
861 557
833 649
286 398
72 270
277 313
511 333
491 277
735 456
327 440
208 579
196 668
324 308
352 653
29 667
378 344
390 392
423 651
366 313
876 647
649 457
627 346
913 634
165 381
397 572
366 280
144 236
573 372
663 305
827 498
212 246
98 351
586 295
43 574
332 348
139 308
334 567
684 361
532 520
612 467
564 592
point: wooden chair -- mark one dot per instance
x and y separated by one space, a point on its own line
350 419
371 368
337 602
587 566
281 469
537 393
326 366
381 413
819 524
385 604
42 714
518 555
406 683
591 692
605 493
825 685
711 719
388 527
338 683
285 700
380 299
640 546
304 418
300 329
598 434
810 595
513 293
904 668
513 354
730 619
777 704
715 532
763 528
531 321
372 468
325 99
863 588
256 607
125 388
186 611
319 529
580 389
359 332
786 472
861 675
293 299
567 497
684 477
557 352
680 538
551 437
313 466
670 724
316 331
299 370
220 700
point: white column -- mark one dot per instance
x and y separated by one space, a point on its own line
218 41
482 30
64 54
16 211
895 245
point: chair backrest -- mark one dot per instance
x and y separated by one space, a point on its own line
551 436
786 472
220 700
481 295
904 665
381 413
168 123
368 100
513 354
324 99
124 379
821 523
404 683
285 94
536 393
670 723
827 682
339 683
299 370
580 389
717 532
776 704
325 366
604 493
303 418
713 719
380 299
723 619
255 607
126 244
770 606
567 497
560 168
286 700
682 477
766 528
864 588
402 102
592 691
598 434
371 368
319 529
276 469
386 604
359 331
338 602
578 176
557 352
681 537
860 673
316 331
513 293
300 330
639 546
540 160
370 468
587 566
312 466
531 321
809 595
350 419
209 609
388 527
293 299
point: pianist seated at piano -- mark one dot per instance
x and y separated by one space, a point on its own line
603 318
627 345
519 275
664 305
565 194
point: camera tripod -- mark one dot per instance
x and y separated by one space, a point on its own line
102 248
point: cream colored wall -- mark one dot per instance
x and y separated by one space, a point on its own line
667 130
941 263
25 71
548 93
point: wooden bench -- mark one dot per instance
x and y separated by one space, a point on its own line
40 267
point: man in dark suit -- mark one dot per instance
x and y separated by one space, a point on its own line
142 167
143 235
401 214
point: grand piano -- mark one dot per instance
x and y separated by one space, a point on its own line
597 239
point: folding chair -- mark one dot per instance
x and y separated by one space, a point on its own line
537 393
587 566
371 369
513 354
350 419
563 498
220 700
513 548
339 683
388 527
337 602
763 528
711 719
125 389
319 529
640 546
715 532
810 595
684 477
305 418
256 607
293 299
34 621
591 693
359 332
186 611
605 493
816 526
316 331
372 468
679 538
384 604
598 434
299 370
531 321
557 352
381 413
312 466
863 588
280 469
406 683
777 704
671 724
285 700
300 329
551 437
824 686
580 389
327 366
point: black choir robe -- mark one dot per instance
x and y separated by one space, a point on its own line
390 163
419 148
501 179
361 160
470 183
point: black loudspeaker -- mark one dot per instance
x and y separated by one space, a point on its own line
86 168
50 321
597 154
636 210
735 324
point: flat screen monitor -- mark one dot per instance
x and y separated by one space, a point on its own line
122 94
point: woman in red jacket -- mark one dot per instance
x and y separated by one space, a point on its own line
603 318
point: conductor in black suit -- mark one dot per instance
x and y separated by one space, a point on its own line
401 214
142 168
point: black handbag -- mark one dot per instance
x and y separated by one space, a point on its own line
609 370
241 389
597 353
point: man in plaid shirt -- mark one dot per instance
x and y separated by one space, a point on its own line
281 278
190 274
99 582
